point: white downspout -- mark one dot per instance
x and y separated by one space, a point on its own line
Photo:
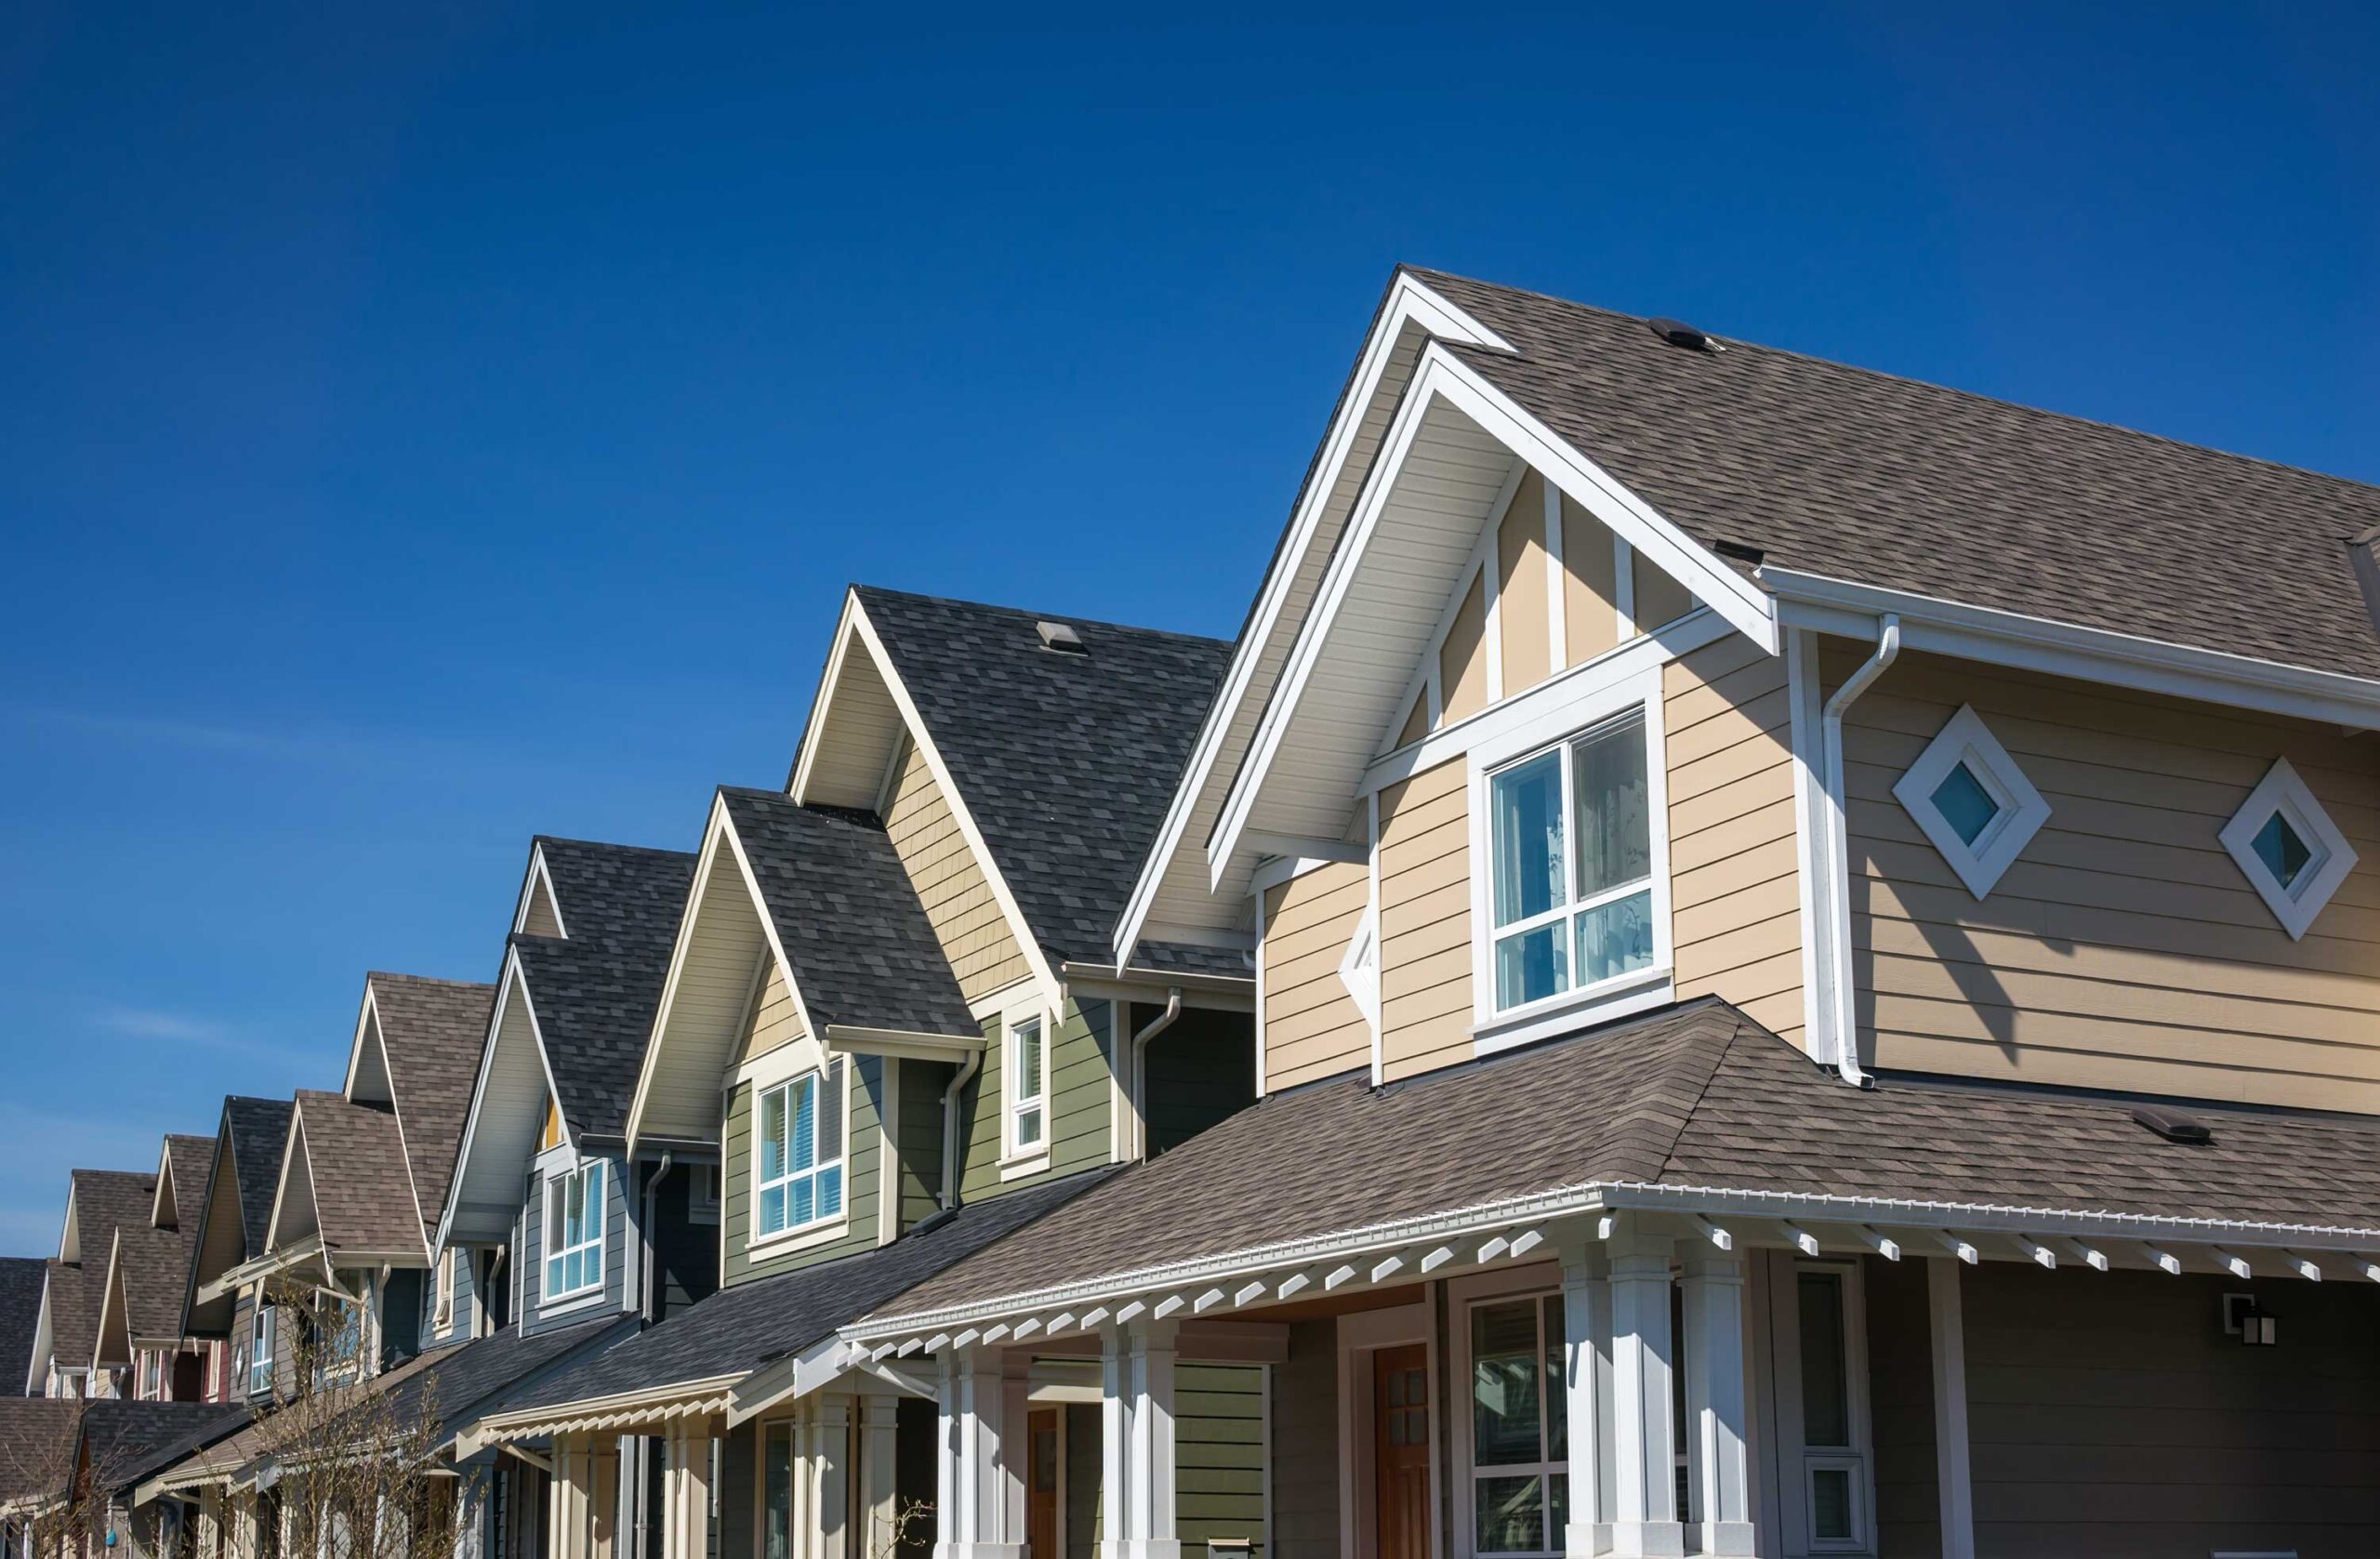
1156 1026
1837 845
967 1069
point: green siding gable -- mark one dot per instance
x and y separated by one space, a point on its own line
1080 1095
863 1160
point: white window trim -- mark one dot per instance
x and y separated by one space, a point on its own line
818 1230
1537 1284
264 1345
1018 1159
2283 791
1547 716
1359 969
1965 738
548 1250
441 1307
1785 1338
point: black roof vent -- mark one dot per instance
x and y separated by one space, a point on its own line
1059 636
1741 551
2173 1125
1677 332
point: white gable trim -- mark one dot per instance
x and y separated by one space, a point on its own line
510 980
1444 376
539 881
293 1151
1408 303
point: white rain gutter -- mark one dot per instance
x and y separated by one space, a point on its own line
1156 1026
1836 846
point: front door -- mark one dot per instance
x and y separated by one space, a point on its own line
1401 1452
1041 1484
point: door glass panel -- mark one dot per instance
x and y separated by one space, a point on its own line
777 1493
1557 1416
1506 1367
1831 1504
1826 1406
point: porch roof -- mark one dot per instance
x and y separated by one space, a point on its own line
1694 1108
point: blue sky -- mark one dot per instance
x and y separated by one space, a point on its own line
427 428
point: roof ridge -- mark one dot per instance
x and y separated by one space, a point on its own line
890 594
429 980
1745 343
608 844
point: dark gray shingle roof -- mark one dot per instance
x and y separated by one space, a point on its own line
431 1031
1888 482
36 1444
259 1133
128 1440
1694 1095
742 1327
355 1159
862 949
154 1267
192 1160
20 1280
617 892
73 1325
1067 763
461 1381
105 1200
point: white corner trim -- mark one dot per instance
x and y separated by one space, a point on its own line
2283 793
1965 739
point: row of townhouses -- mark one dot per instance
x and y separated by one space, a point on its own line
1742 957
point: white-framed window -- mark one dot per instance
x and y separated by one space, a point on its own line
265 1329
343 1343
797 1151
1573 906
1820 1328
574 1230
1972 801
151 1375
2291 851
441 1312
1024 1083
1516 1497
702 1192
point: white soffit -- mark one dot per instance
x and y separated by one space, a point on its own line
500 1135
1173 890
855 724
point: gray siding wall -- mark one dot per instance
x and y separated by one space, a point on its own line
1306 1442
685 1254
1201 1068
2110 1415
920 1138
862 1155
536 1315
466 1300
1082 1481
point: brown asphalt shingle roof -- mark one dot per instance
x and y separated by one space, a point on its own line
1888 482
356 1161
192 1160
430 1032
154 1267
1695 1095
36 1444
73 1324
105 1200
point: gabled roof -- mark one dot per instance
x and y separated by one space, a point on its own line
259 1133
1693 1098
430 1033
181 1178
20 1283
100 1202
345 1179
141 1294
620 893
862 952
73 1323
1885 481
37 1445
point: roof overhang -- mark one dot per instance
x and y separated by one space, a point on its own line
626 1412
498 1146
1842 606
849 1040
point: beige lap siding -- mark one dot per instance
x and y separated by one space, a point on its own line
777 1022
1425 921
1735 924
1312 1027
2123 948
950 882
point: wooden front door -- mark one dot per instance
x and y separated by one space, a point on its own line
1041 1484
1401 1452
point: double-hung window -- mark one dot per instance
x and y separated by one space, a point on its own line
1026 1063
797 1168
265 1327
575 1231
1570 874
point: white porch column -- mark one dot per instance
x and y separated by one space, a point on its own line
879 1505
829 1478
983 1516
1152 1492
1644 1522
1114 1440
1586 1380
686 1493
1718 1465
1943 1276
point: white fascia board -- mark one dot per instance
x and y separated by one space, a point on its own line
851 1040
714 828
824 698
1409 302
292 1147
1442 375
504 983
365 1016
538 878
1988 634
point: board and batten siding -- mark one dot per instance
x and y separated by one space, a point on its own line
863 1157
1735 868
577 1307
957 897
1081 1100
1313 1027
2123 948
1425 921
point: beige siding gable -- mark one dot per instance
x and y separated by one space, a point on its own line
1425 921
1313 1027
777 1017
951 882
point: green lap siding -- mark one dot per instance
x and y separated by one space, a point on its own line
1201 1067
1080 1093
920 1138
862 1155
1217 1459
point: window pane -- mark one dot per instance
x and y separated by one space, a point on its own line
1028 1126
1616 937
1826 1411
804 1152
831 1191
773 1134
830 1116
1831 1504
1557 1404
1609 813
1028 1061
594 1192
1964 804
1524 804
574 1211
773 1209
805 1200
1512 1515
1532 964
1557 1506
1504 1368
2280 848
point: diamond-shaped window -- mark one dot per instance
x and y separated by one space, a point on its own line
1971 800
2293 855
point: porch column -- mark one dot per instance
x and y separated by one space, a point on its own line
827 1477
1943 1276
1717 1467
879 1504
1586 1397
981 1516
1114 1440
1151 1490
1644 1522
686 1493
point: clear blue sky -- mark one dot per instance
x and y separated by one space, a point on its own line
416 434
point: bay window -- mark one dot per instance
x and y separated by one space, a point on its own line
575 1231
798 1152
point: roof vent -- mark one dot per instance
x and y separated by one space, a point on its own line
1061 638
1741 551
2171 1124
1677 332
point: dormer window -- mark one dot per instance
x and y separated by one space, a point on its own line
1972 801
575 1231
2293 855
797 1168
